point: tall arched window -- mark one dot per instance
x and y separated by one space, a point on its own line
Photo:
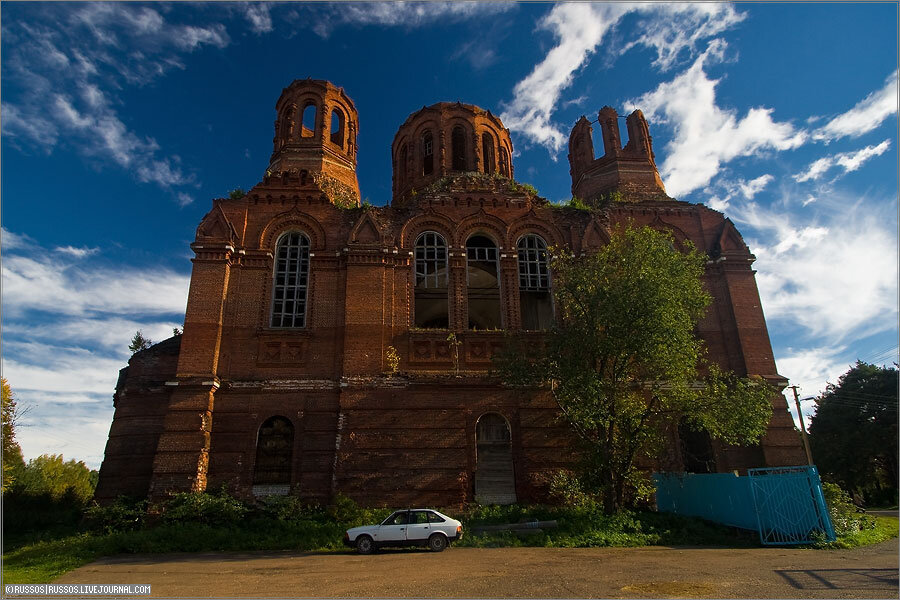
504 162
274 453
291 280
308 125
431 304
534 284
337 127
458 141
427 153
487 152
483 283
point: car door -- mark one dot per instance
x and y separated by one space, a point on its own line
418 528
393 529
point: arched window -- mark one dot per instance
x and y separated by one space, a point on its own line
427 153
504 162
274 453
483 283
291 280
487 152
431 304
458 141
495 476
401 165
534 284
337 127
308 127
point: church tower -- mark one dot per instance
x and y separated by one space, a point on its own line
629 169
316 139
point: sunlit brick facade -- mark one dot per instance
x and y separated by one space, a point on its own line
302 301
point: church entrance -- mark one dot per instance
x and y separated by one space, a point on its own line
274 457
495 479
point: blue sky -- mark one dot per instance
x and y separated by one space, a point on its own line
120 122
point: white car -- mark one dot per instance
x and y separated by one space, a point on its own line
408 527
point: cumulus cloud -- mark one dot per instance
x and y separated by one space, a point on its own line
833 274
811 369
727 190
868 113
67 321
705 135
849 161
671 29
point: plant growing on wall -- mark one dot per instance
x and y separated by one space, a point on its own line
624 361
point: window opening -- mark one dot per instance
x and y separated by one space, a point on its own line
431 301
291 281
535 302
337 127
487 152
458 139
504 162
308 125
274 452
483 283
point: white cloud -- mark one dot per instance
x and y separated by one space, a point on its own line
705 135
835 275
77 252
750 188
65 76
52 286
865 116
811 369
675 27
12 240
257 13
110 332
579 29
184 199
405 14
849 161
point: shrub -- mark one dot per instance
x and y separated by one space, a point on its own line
845 516
124 514
205 508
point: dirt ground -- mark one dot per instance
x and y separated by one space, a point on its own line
654 572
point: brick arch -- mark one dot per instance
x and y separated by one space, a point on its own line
680 236
482 222
426 222
286 221
531 223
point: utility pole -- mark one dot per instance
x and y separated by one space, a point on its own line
802 425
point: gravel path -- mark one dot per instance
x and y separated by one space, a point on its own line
653 572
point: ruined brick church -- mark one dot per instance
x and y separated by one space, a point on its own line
331 347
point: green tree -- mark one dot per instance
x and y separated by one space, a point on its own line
622 362
139 342
853 435
52 476
12 461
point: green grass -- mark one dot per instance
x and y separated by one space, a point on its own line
885 528
41 557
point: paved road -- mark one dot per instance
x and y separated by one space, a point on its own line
654 572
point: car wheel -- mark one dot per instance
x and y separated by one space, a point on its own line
437 542
365 544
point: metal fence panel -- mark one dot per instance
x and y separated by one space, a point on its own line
790 506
